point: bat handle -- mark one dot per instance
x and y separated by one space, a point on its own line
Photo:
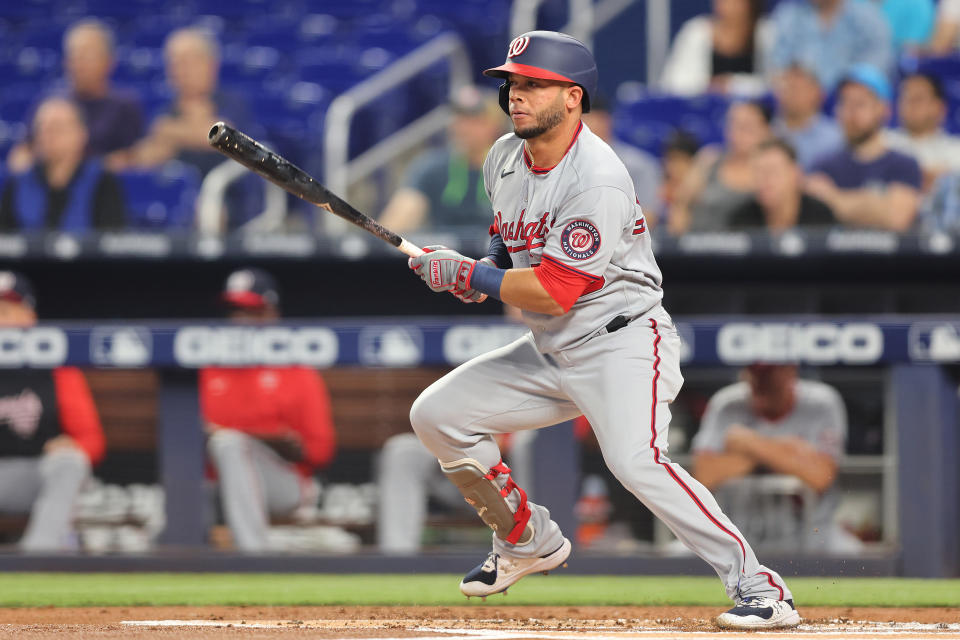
410 249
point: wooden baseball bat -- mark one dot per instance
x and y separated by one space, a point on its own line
289 177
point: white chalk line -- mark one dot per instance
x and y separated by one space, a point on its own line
837 629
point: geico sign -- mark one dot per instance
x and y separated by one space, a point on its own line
34 347
813 343
203 346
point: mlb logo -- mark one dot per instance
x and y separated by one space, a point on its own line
934 342
390 346
121 346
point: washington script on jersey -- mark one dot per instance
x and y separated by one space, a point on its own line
522 229
235 346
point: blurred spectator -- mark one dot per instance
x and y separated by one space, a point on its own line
940 211
409 478
721 180
722 52
642 167
443 189
771 422
779 202
193 64
50 434
867 184
922 110
946 34
678 154
798 118
910 22
830 36
113 118
269 428
64 190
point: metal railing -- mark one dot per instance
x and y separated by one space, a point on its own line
340 172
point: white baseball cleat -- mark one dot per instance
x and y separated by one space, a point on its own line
497 573
760 613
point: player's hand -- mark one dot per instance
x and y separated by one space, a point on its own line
444 269
472 295
58 443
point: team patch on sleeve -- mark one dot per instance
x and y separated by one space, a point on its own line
580 240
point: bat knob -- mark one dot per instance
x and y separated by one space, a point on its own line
217 131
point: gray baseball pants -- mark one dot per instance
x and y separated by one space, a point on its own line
46 487
623 383
255 483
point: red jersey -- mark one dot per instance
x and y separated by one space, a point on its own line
271 402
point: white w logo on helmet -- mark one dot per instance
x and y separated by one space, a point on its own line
518 46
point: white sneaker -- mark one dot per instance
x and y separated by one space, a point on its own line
498 573
760 613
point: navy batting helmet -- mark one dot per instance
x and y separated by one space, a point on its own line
551 56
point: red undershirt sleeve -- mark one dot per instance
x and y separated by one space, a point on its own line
564 284
78 414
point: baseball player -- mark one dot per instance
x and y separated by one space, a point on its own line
50 435
570 247
269 428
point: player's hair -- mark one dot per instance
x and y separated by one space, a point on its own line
205 36
93 24
935 85
681 141
779 144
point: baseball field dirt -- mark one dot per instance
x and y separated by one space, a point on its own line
489 622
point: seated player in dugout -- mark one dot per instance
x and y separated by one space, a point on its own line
64 190
443 189
771 422
269 429
50 435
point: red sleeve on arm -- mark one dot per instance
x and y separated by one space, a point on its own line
78 414
564 283
316 421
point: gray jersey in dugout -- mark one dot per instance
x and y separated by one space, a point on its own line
819 417
582 215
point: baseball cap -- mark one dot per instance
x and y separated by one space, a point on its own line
871 78
16 288
251 287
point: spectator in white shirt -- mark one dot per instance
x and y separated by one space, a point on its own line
922 110
722 52
946 33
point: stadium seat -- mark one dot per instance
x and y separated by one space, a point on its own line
161 199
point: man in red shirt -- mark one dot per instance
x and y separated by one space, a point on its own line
50 434
269 428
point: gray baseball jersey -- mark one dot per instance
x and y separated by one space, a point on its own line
583 215
818 417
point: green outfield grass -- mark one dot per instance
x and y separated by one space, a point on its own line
124 589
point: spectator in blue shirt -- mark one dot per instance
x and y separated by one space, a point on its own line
798 118
830 36
866 184
910 21
64 190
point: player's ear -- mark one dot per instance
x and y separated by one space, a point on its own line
574 96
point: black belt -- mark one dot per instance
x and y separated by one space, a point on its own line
616 324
